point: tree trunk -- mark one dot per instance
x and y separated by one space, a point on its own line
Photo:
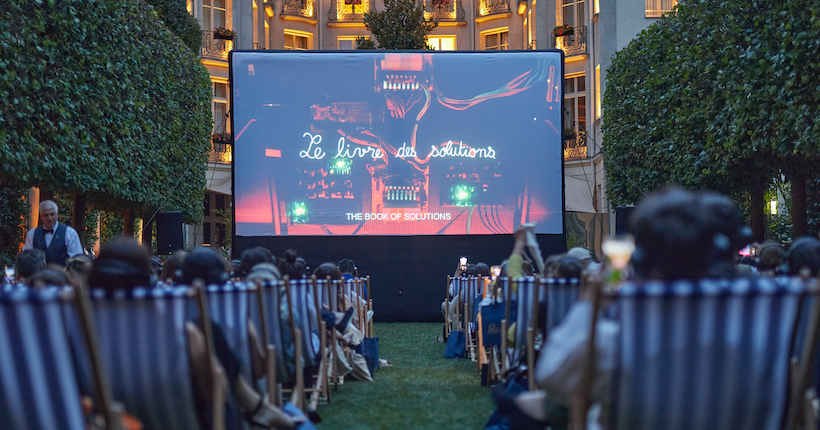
147 232
757 191
80 207
799 210
128 223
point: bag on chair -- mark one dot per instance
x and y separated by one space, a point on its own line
491 316
456 345
369 349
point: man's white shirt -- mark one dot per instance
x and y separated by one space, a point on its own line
72 240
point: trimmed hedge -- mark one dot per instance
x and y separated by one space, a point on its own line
99 97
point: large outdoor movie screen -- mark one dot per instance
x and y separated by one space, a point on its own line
374 143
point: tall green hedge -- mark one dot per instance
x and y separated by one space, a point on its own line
99 97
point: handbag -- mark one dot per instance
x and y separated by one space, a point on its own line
491 316
369 349
456 345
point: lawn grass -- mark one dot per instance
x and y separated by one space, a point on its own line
422 390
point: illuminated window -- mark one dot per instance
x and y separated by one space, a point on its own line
346 43
495 40
573 13
214 13
442 43
268 43
219 107
575 116
598 91
298 41
597 7
656 8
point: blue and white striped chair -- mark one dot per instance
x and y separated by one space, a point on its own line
526 319
229 308
561 295
38 384
144 350
707 355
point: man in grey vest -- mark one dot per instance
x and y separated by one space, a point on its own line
60 242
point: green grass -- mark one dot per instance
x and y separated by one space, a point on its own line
422 390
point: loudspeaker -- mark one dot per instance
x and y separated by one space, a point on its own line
169 232
622 214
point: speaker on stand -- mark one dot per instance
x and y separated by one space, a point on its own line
169 232
622 214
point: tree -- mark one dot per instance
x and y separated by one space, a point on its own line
719 95
176 17
401 25
99 99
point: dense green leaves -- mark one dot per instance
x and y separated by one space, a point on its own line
176 17
714 95
98 97
400 25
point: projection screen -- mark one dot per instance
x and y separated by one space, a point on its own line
408 143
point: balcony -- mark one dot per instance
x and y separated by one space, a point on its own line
220 153
213 48
489 9
572 44
575 147
444 11
306 10
348 12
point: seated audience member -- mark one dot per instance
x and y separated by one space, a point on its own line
292 265
568 267
172 267
29 261
769 258
350 271
340 320
451 289
803 257
730 235
124 263
77 269
50 276
667 224
253 256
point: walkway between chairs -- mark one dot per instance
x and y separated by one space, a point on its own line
421 390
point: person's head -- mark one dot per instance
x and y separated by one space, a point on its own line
253 256
172 267
291 266
77 269
581 254
48 214
729 233
673 236
263 272
122 263
804 255
50 275
328 269
770 257
568 267
550 262
28 262
481 269
346 265
206 264
526 268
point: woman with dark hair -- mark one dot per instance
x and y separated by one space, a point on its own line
803 258
291 266
122 264
253 256
769 258
172 267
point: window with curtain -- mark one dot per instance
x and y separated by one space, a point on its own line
214 13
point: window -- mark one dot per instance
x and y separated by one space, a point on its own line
598 91
495 40
298 41
214 13
573 13
346 43
214 232
442 43
575 111
656 8
219 107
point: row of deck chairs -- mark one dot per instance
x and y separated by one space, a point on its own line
130 347
521 308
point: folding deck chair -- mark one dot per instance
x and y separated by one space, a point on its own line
265 313
528 292
707 355
561 295
38 384
144 349
303 302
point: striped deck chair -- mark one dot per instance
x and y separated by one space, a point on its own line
706 355
229 306
805 362
303 299
144 349
38 384
526 321
265 313
454 322
561 295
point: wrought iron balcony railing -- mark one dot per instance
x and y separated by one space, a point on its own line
485 8
220 153
443 10
575 148
572 44
300 8
349 10
214 48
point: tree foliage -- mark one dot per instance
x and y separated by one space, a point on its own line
176 17
98 97
13 211
401 25
715 95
